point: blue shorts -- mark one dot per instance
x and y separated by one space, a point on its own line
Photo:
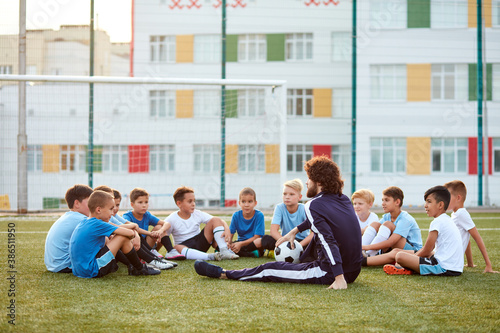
430 266
106 262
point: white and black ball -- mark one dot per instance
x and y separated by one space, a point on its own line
284 252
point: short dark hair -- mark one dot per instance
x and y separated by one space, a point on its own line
98 199
440 193
78 192
117 194
104 188
395 193
322 170
248 191
138 192
180 192
457 187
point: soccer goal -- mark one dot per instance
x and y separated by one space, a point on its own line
217 136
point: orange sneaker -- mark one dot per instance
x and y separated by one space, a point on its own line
397 270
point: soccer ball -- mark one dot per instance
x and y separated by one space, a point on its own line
284 252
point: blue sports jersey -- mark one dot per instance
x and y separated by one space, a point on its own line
288 221
117 219
87 240
337 236
147 220
406 227
247 228
57 241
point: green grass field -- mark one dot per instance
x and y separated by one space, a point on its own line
179 300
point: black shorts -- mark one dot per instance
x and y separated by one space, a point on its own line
198 242
106 261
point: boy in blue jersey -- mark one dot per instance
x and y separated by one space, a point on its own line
249 224
56 255
442 253
139 200
336 241
287 215
92 253
396 230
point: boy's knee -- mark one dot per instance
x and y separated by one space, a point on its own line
389 225
375 225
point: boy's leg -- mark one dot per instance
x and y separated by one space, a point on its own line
214 231
190 253
125 245
384 232
370 233
408 260
386 258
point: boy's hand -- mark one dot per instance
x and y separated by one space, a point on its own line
470 265
227 236
136 242
236 247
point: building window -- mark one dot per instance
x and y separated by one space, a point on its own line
251 102
342 103
115 158
207 103
5 69
251 158
162 49
341 154
35 158
388 82
161 158
252 48
388 14
297 155
161 104
449 82
299 102
341 46
496 82
449 155
207 48
206 158
495 13
496 155
299 47
449 13
388 155
72 158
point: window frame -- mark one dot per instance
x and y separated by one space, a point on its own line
121 161
72 158
206 103
299 42
292 152
207 45
442 149
294 96
388 79
460 82
379 10
162 49
245 155
259 44
398 147
495 156
156 97
204 152
35 158
439 7
249 99
156 152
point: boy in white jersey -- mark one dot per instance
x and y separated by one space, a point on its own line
184 226
442 253
465 225
362 201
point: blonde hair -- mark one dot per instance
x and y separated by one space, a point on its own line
457 187
365 194
296 184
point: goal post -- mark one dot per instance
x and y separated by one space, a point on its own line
150 132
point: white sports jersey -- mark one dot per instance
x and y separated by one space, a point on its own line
464 223
182 229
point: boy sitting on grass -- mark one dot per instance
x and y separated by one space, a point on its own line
184 225
466 226
249 224
92 253
362 201
396 229
444 238
139 200
56 255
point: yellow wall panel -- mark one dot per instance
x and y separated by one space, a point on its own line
322 102
184 103
473 13
272 158
418 85
50 159
418 156
231 158
184 48
4 202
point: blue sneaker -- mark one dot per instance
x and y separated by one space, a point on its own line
204 268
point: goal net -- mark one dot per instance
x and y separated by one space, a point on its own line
153 133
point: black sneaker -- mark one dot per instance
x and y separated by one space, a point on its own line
146 270
204 268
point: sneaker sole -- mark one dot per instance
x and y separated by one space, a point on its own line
176 257
392 270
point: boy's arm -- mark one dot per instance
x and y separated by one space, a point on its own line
165 226
468 255
236 247
429 245
125 232
275 231
479 240
393 239
139 230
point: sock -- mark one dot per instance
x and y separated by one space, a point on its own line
368 236
146 255
364 262
194 254
250 247
165 241
121 258
134 259
383 234
145 244
268 242
221 242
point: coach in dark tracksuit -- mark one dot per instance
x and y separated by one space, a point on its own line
336 244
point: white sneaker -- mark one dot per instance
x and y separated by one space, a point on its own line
156 253
227 254
215 256
174 255
160 264
168 262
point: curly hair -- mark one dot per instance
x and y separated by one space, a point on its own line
322 170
